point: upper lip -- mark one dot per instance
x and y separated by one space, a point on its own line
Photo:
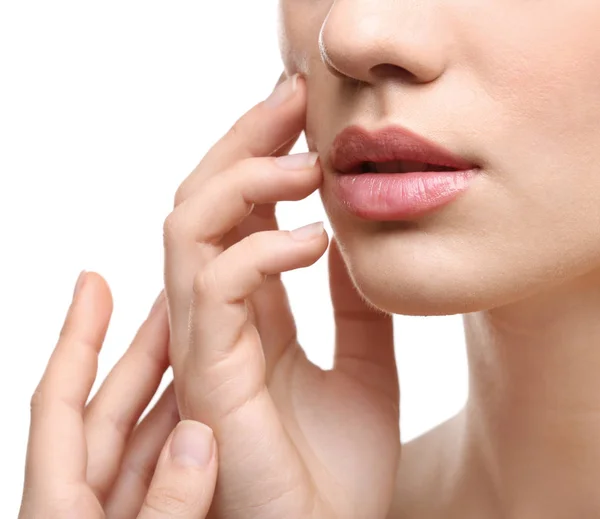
355 145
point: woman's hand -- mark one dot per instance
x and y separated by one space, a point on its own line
90 462
294 441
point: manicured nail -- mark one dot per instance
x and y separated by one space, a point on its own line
157 303
192 444
283 92
297 160
308 232
79 284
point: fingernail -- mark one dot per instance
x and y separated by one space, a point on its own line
157 303
308 232
192 444
297 160
79 284
283 92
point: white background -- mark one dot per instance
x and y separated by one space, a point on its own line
105 107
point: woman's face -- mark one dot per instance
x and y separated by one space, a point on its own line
511 85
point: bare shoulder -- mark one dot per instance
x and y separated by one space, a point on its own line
421 482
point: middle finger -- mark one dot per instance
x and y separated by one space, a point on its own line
114 411
139 462
193 231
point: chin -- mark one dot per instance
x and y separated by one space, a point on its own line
411 275
453 262
408 293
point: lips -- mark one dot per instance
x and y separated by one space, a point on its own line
391 150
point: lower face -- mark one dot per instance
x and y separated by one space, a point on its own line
512 85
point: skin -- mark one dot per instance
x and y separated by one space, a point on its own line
294 440
95 460
518 255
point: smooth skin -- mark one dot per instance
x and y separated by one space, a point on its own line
513 86
95 461
510 85
295 441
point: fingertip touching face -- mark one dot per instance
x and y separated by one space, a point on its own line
511 85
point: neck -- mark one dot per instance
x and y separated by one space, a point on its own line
533 415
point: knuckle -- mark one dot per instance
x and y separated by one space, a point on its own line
140 470
67 505
255 244
119 422
236 131
251 164
35 403
205 282
168 501
182 194
173 227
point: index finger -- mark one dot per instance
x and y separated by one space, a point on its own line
265 129
57 448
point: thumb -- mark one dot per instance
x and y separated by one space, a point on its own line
185 476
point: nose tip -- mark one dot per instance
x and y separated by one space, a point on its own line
359 41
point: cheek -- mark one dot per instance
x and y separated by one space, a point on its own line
554 90
538 75
299 24
539 70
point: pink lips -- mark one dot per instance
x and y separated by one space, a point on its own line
395 196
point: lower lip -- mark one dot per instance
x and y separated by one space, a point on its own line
399 196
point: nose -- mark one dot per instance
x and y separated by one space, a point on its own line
367 39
